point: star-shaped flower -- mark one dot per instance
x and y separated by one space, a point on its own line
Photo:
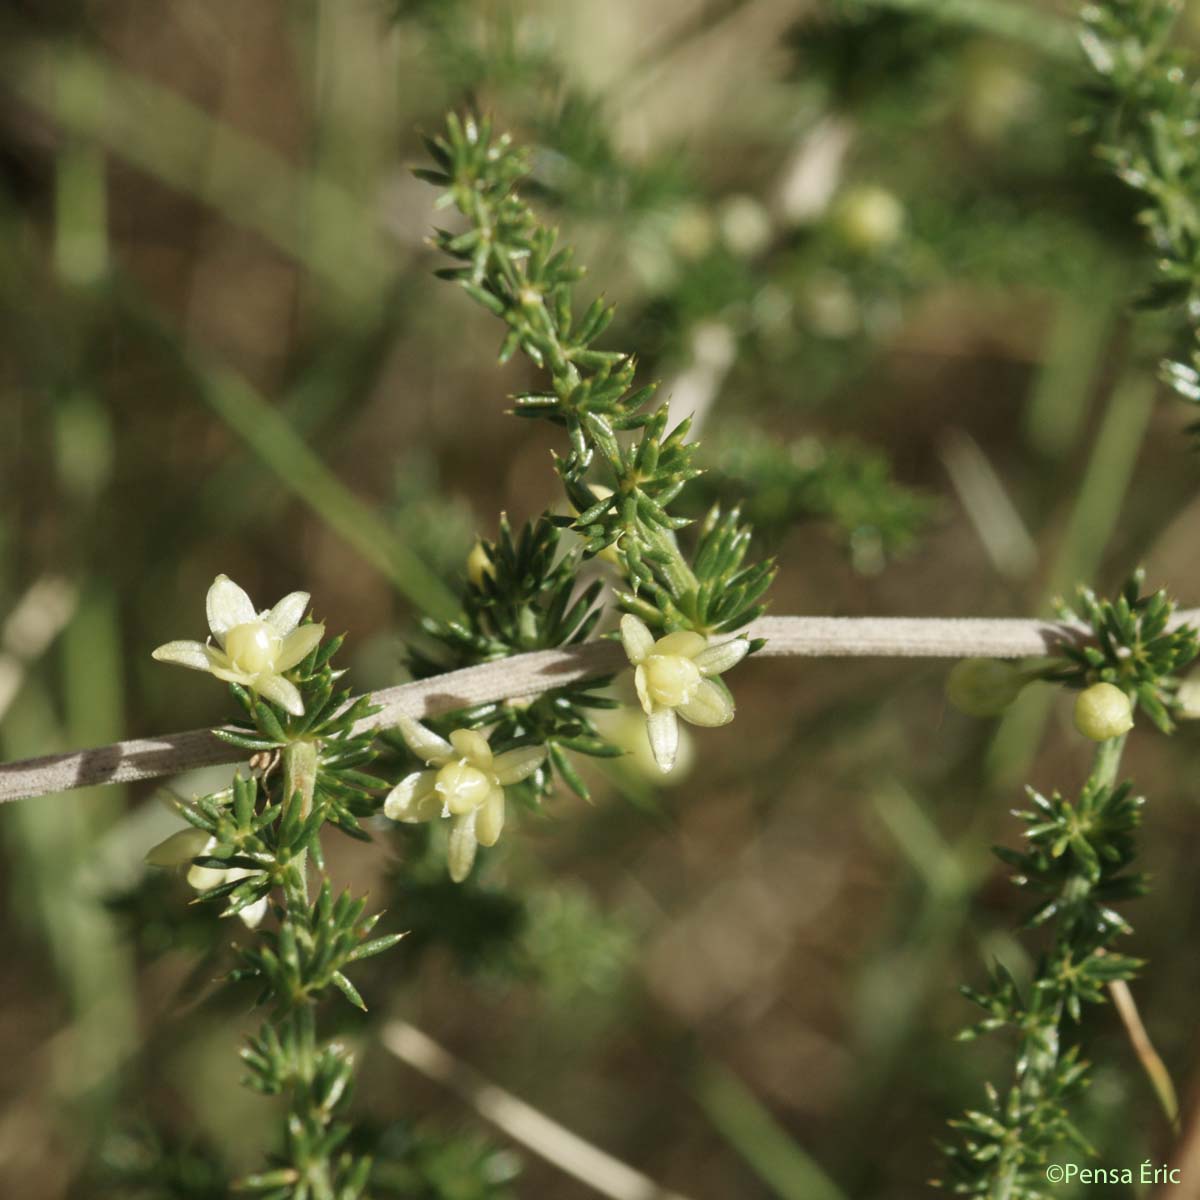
675 675
253 648
466 782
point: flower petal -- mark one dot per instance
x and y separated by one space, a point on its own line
460 854
203 878
413 799
227 605
253 914
489 818
285 616
184 654
514 765
280 691
220 666
424 743
716 660
683 642
473 746
643 695
710 705
663 731
297 645
182 846
636 638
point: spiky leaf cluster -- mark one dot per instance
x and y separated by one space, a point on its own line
1076 862
525 596
284 1058
1005 1146
265 830
626 464
1148 101
251 833
1134 646
343 790
728 592
311 949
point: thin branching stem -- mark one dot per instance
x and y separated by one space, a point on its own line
530 674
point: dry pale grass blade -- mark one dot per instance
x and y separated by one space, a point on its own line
39 617
522 1122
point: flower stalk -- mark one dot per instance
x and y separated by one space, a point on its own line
1078 863
261 838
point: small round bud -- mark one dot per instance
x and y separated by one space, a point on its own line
983 687
1103 711
869 219
998 96
479 566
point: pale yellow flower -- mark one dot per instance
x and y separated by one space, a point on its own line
674 677
466 783
252 648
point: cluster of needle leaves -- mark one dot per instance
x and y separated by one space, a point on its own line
1148 112
626 464
265 831
1135 647
523 595
1076 864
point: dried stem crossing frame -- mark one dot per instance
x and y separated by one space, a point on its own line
529 674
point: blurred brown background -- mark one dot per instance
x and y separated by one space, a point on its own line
872 249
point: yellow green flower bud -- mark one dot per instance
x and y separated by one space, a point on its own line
984 687
1103 711
479 566
869 219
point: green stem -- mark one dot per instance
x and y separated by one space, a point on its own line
1107 762
1040 1048
300 764
681 580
